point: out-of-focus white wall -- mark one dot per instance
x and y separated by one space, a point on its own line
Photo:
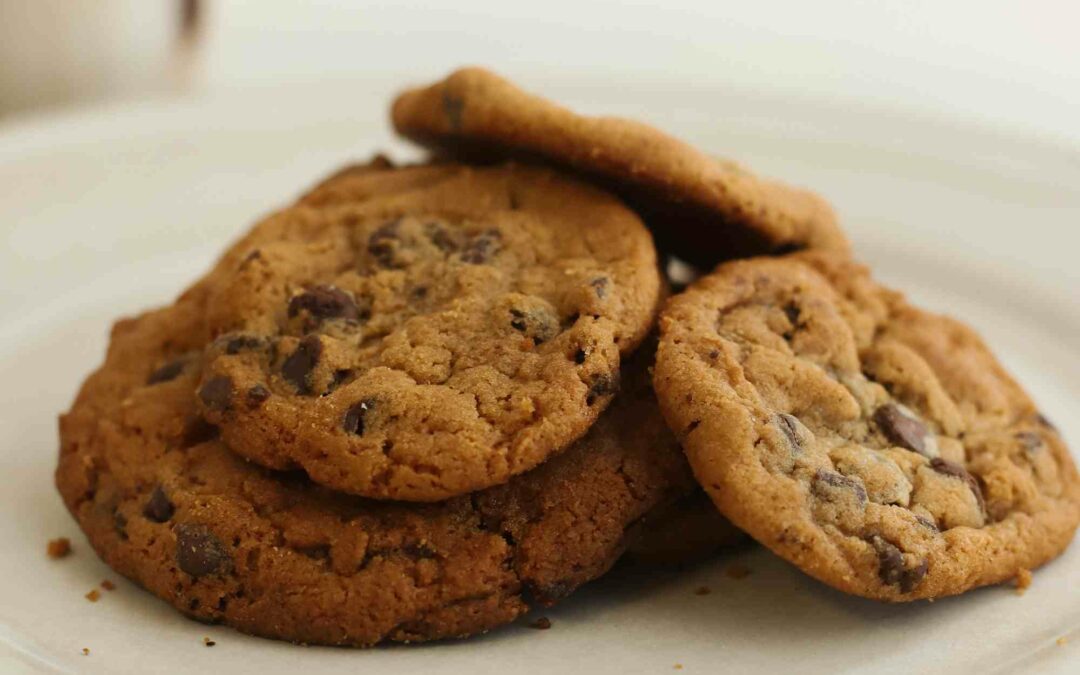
1000 61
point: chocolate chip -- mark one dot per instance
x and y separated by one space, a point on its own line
538 324
789 425
384 241
482 247
234 344
341 376
216 393
120 522
325 302
927 523
298 367
603 385
913 576
792 311
441 237
600 286
354 422
903 429
158 508
199 552
1030 440
714 354
891 568
257 395
167 372
453 107
579 356
825 482
953 470
1043 420
419 293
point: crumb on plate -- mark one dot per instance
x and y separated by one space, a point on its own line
94 595
702 590
58 548
208 642
737 571
108 585
86 651
543 623
1062 641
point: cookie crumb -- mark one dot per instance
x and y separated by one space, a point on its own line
737 571
86 651
94 595
208 642
1022 581
108 585
677 666
702 590
1062 641
543 623
58 548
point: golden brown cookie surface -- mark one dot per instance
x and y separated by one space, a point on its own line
880 448
424 332
164 501
701 209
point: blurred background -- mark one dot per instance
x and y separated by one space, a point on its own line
1002 63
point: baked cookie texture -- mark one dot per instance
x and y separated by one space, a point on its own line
880 448
165 502
423 332
702 209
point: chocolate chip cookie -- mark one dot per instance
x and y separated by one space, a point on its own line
880 448
701 209
423 332
165 502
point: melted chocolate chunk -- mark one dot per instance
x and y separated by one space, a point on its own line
199 552
441 237
482 247
325 302
167 372
354 422
1030 440
789 425
902 428
301 363
891 567
384 241
826 481
579 356
216 393
234 344
600 286
603 385
158 508
947 468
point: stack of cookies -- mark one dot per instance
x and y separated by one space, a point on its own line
425 398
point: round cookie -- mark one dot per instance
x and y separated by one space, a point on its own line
423 332
880 448
702 209
164 502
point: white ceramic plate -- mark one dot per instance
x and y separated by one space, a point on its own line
109 211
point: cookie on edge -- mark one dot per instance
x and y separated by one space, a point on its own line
880 448
424 332
165 502
702 209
